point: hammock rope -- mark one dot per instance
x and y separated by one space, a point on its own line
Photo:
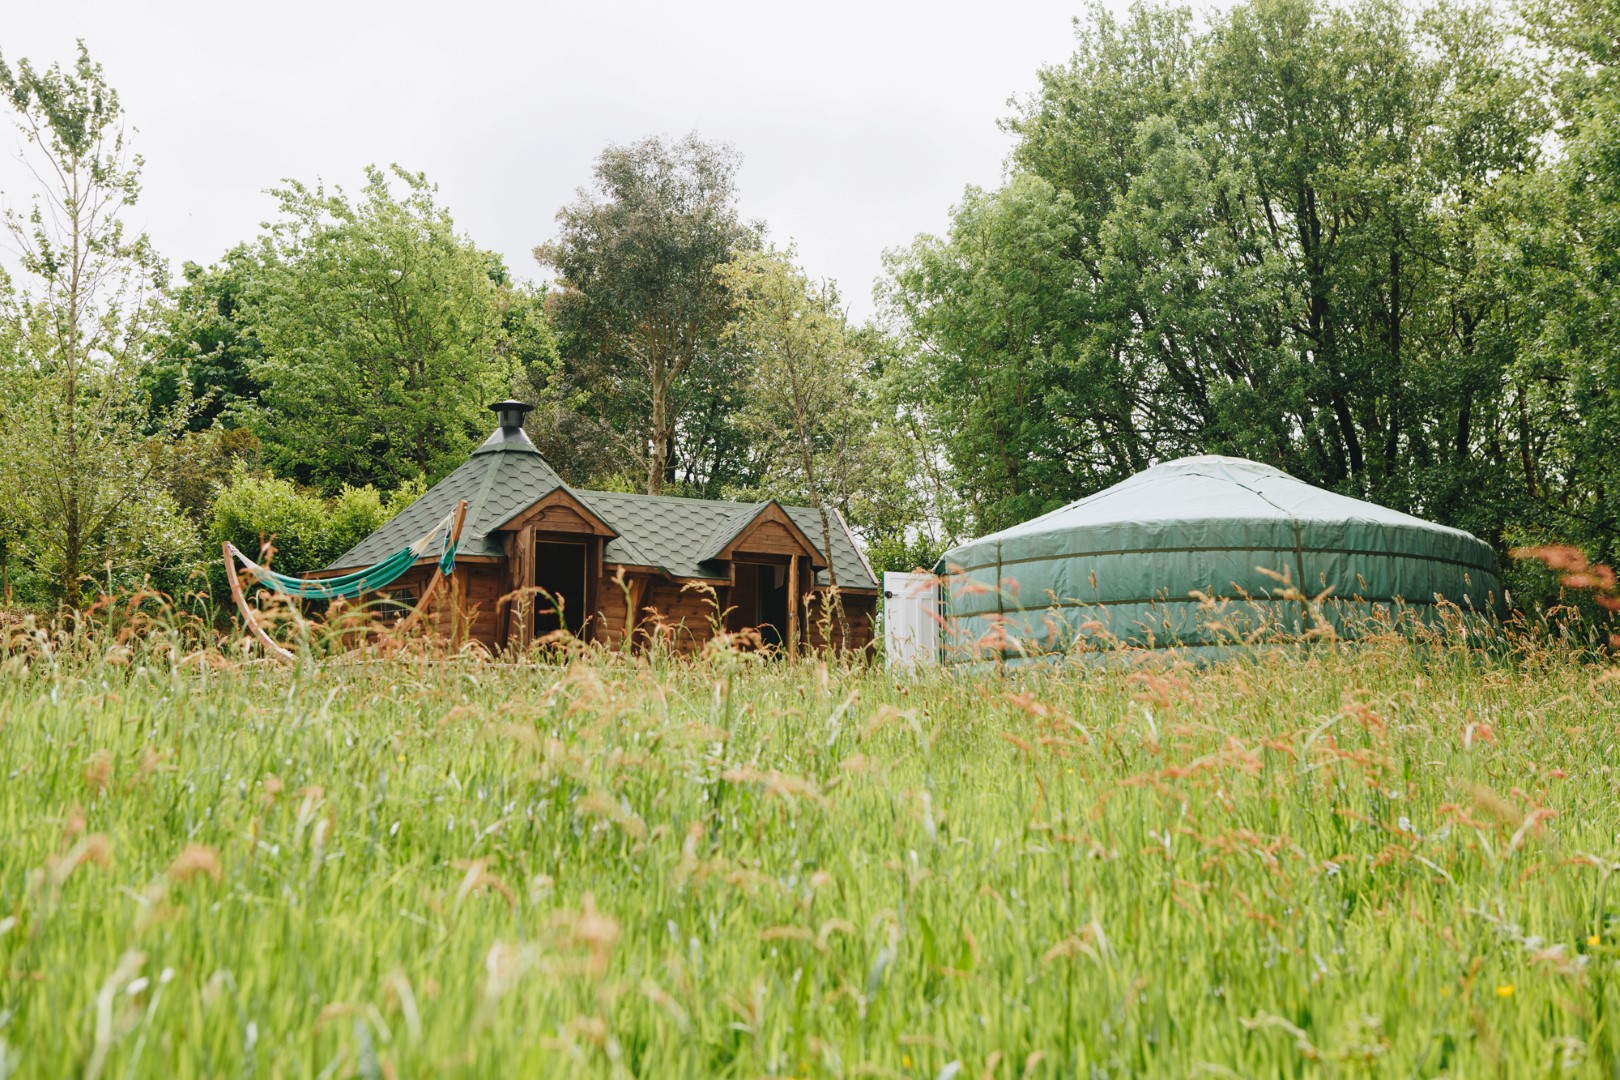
347 586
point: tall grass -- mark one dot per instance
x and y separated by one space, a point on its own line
1392 860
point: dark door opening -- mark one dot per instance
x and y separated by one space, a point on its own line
771 616
559 571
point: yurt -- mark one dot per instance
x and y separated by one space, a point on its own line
1203 554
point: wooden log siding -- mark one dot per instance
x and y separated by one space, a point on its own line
519 592
858 631
482 589
684 617
479 587
621 611
772 539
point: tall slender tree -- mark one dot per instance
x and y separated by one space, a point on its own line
804 408
78 483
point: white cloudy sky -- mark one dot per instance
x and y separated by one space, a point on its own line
859 122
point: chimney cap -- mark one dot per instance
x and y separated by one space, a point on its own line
511 412
509 436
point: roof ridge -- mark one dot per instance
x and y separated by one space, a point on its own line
692 499
671 498
476 503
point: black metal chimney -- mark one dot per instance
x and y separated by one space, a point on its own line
509 435
510 413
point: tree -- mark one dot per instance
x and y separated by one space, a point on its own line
381 335
997 313
78 484
1284 236
203 349
1563 260
803 403
905 507
306 530
582 450
641 311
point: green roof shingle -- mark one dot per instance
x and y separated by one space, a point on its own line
498 481
677 536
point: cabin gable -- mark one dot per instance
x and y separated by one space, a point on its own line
559 510
770 531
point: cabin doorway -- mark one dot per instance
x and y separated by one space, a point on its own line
560 574
761 600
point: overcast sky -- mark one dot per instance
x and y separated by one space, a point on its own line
859 122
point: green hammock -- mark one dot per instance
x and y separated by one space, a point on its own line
348 586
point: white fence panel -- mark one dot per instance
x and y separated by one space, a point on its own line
910 619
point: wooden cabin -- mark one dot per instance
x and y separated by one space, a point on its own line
537 556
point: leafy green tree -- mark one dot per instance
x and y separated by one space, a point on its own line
583 450
203 348
194 465
997 314
804 409
83 495
908 512
1563 262
381 335
1287 236
642 313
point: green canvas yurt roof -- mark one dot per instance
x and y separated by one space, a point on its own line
1122 565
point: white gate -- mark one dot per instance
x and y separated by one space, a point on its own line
910 619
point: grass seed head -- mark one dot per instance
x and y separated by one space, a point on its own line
98 771
95 849
196 860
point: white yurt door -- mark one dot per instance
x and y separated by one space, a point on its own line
910 619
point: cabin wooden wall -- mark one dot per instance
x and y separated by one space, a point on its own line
613 608
479 588
858 630
481 594
684 617
613 613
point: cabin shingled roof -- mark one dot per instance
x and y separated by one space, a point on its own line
668 533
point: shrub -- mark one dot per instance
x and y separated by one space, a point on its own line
306 531
253 511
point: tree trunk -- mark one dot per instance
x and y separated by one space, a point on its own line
1465 410
1527 460
72 555
658 449
1392 435
1347 456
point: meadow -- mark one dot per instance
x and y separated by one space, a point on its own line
1394 859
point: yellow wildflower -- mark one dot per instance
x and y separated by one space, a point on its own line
1594 941
1505 990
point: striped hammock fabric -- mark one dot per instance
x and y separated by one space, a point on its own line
347 586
